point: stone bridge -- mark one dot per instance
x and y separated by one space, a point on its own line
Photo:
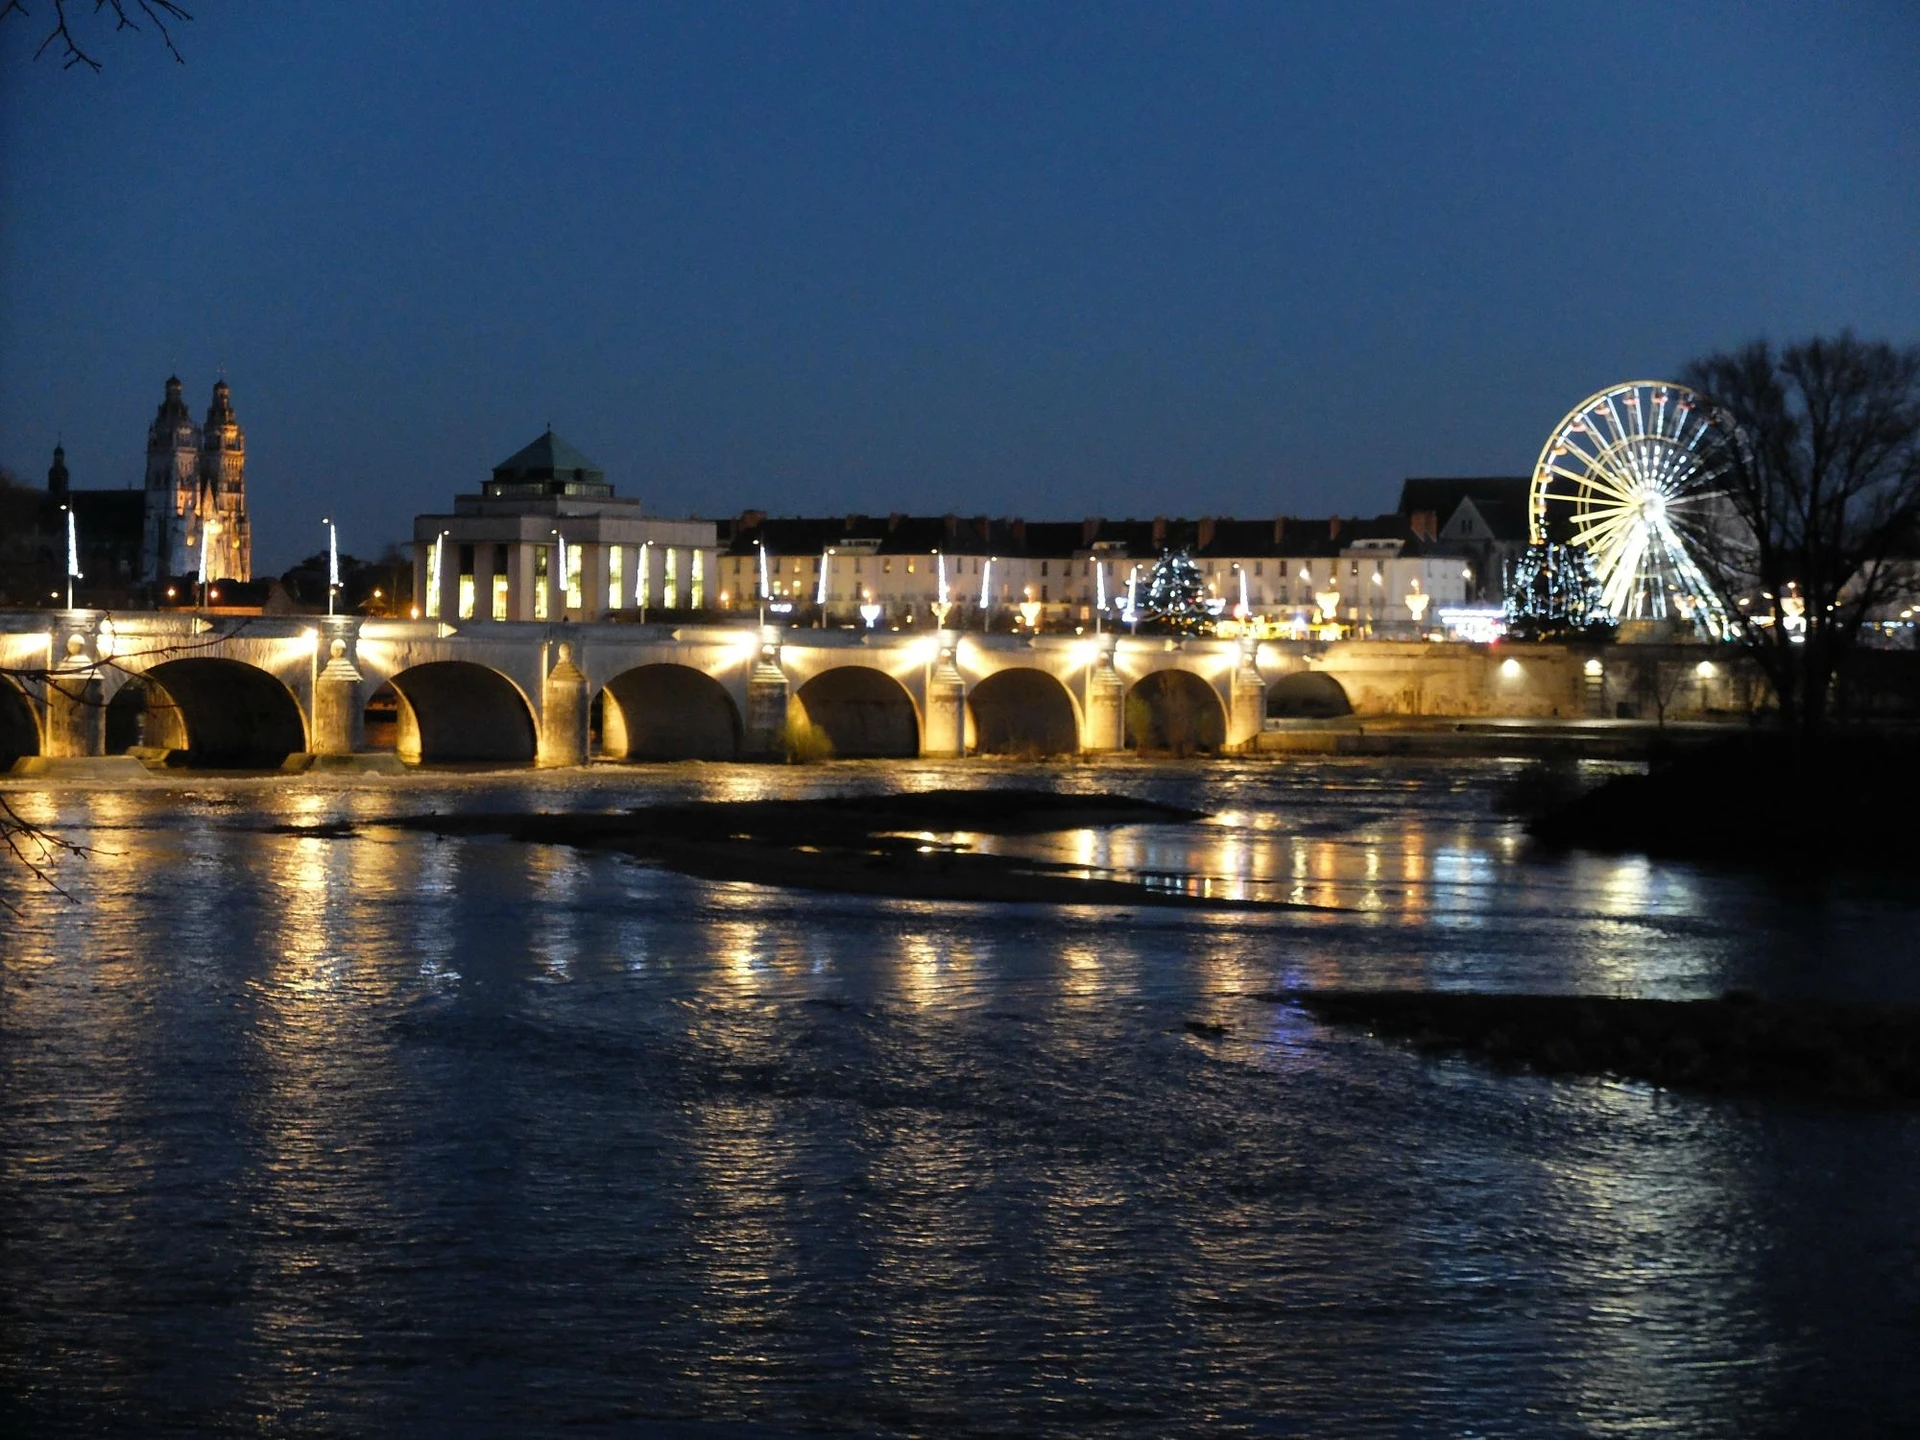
250 692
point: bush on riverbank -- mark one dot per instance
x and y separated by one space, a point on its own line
1849 801
1737 1045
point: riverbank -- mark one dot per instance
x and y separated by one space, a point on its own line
1850 1054
1445 737
1847 801
1389 736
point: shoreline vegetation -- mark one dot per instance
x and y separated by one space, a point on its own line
1855 1054
861 845
1846 801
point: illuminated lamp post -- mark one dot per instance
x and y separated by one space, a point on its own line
1417 600
869 611
941 606
436 568
1030 611
73 554
208 530
333 561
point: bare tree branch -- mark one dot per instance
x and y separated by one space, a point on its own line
156 12
1820 525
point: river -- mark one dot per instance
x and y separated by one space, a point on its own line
383 1133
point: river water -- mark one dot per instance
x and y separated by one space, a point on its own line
390 1134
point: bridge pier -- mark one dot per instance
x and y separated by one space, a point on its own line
76 706
338 721
1106 721
563 713
946 721
1246 701
766 717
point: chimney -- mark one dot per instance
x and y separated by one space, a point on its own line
953 526
1089 528
1279 529
982 529
752 520
894 517
1206 532
1020 532
1159 532
1333 527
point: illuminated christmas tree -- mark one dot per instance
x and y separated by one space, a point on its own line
1176 597
1553 593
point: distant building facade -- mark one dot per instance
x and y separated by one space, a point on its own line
825 570
1484 517
548 539
196 492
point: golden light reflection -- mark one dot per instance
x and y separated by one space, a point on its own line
922 969
555 874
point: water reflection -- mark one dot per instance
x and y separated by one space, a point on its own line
513 1140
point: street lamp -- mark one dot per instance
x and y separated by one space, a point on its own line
73 555
208 530
942 606
333 561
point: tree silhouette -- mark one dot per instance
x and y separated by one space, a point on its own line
1817 526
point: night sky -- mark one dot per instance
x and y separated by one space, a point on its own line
1038 259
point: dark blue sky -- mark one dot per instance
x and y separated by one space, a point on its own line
1042 259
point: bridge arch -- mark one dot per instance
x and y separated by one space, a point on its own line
141 712
1175 710
665 711
1307 695
865 713
221 713
452 711
1022 711
19 730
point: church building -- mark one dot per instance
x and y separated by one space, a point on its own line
196 492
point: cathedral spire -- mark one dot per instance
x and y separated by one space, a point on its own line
57 478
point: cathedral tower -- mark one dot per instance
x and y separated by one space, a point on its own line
223 488
173 490
196 492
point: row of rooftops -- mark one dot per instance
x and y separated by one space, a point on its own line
1435 516
1405 532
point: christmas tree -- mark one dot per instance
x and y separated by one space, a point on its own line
1176 597
1553 594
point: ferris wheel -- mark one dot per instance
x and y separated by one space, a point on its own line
1635 470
